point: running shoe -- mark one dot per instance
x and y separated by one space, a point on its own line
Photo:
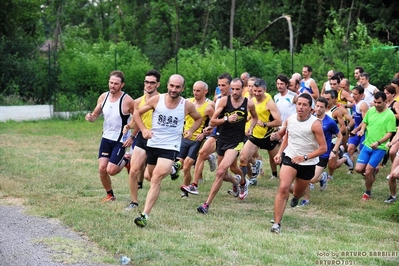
212 162
366 197
304 203
235 190
390 199
184 194
275 229
253 181
348 162
256 168
294 202
177 167
244 190
192 189
323 181
273 177
132 205
388 176
311 186
141 221
203 208
109 197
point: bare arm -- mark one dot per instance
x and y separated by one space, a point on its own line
337 143
323 89
254 115
191 111
132 123
276 136
210 109
317 130
215 121
91 117
150 104
284 144
339 116
396 108
314 88
271 105
346 96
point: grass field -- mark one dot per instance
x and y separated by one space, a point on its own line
51 167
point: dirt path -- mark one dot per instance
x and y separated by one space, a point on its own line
29 240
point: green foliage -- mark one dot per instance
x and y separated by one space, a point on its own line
77 74
22 73
85 68
378 59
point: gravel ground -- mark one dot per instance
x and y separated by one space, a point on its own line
29 240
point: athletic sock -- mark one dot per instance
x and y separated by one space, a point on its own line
244 170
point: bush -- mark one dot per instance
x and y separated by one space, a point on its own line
85 68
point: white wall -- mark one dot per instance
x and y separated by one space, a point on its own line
25 112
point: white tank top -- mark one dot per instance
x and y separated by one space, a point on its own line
285 104
301 140
114 119
167 125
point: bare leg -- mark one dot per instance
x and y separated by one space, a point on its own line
158 172
287 176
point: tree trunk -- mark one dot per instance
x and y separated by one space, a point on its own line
232 13
57 29
177 40
349 23
319 23
205 27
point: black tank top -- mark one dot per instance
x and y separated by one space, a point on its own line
390 107
233 132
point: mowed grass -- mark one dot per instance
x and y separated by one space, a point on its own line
51 166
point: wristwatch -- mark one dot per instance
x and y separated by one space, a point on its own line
305 157
264 124
226 118
335 152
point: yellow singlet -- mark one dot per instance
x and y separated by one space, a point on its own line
190 121
261 132
147 116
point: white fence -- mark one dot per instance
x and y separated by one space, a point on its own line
25 112
32 112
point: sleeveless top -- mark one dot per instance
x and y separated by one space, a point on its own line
369 94
339 99
327 86
390 107
190 121
233 132
147 116
285 104
265 116
304 86
167 125
330 113
357 114
301 140
114 118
